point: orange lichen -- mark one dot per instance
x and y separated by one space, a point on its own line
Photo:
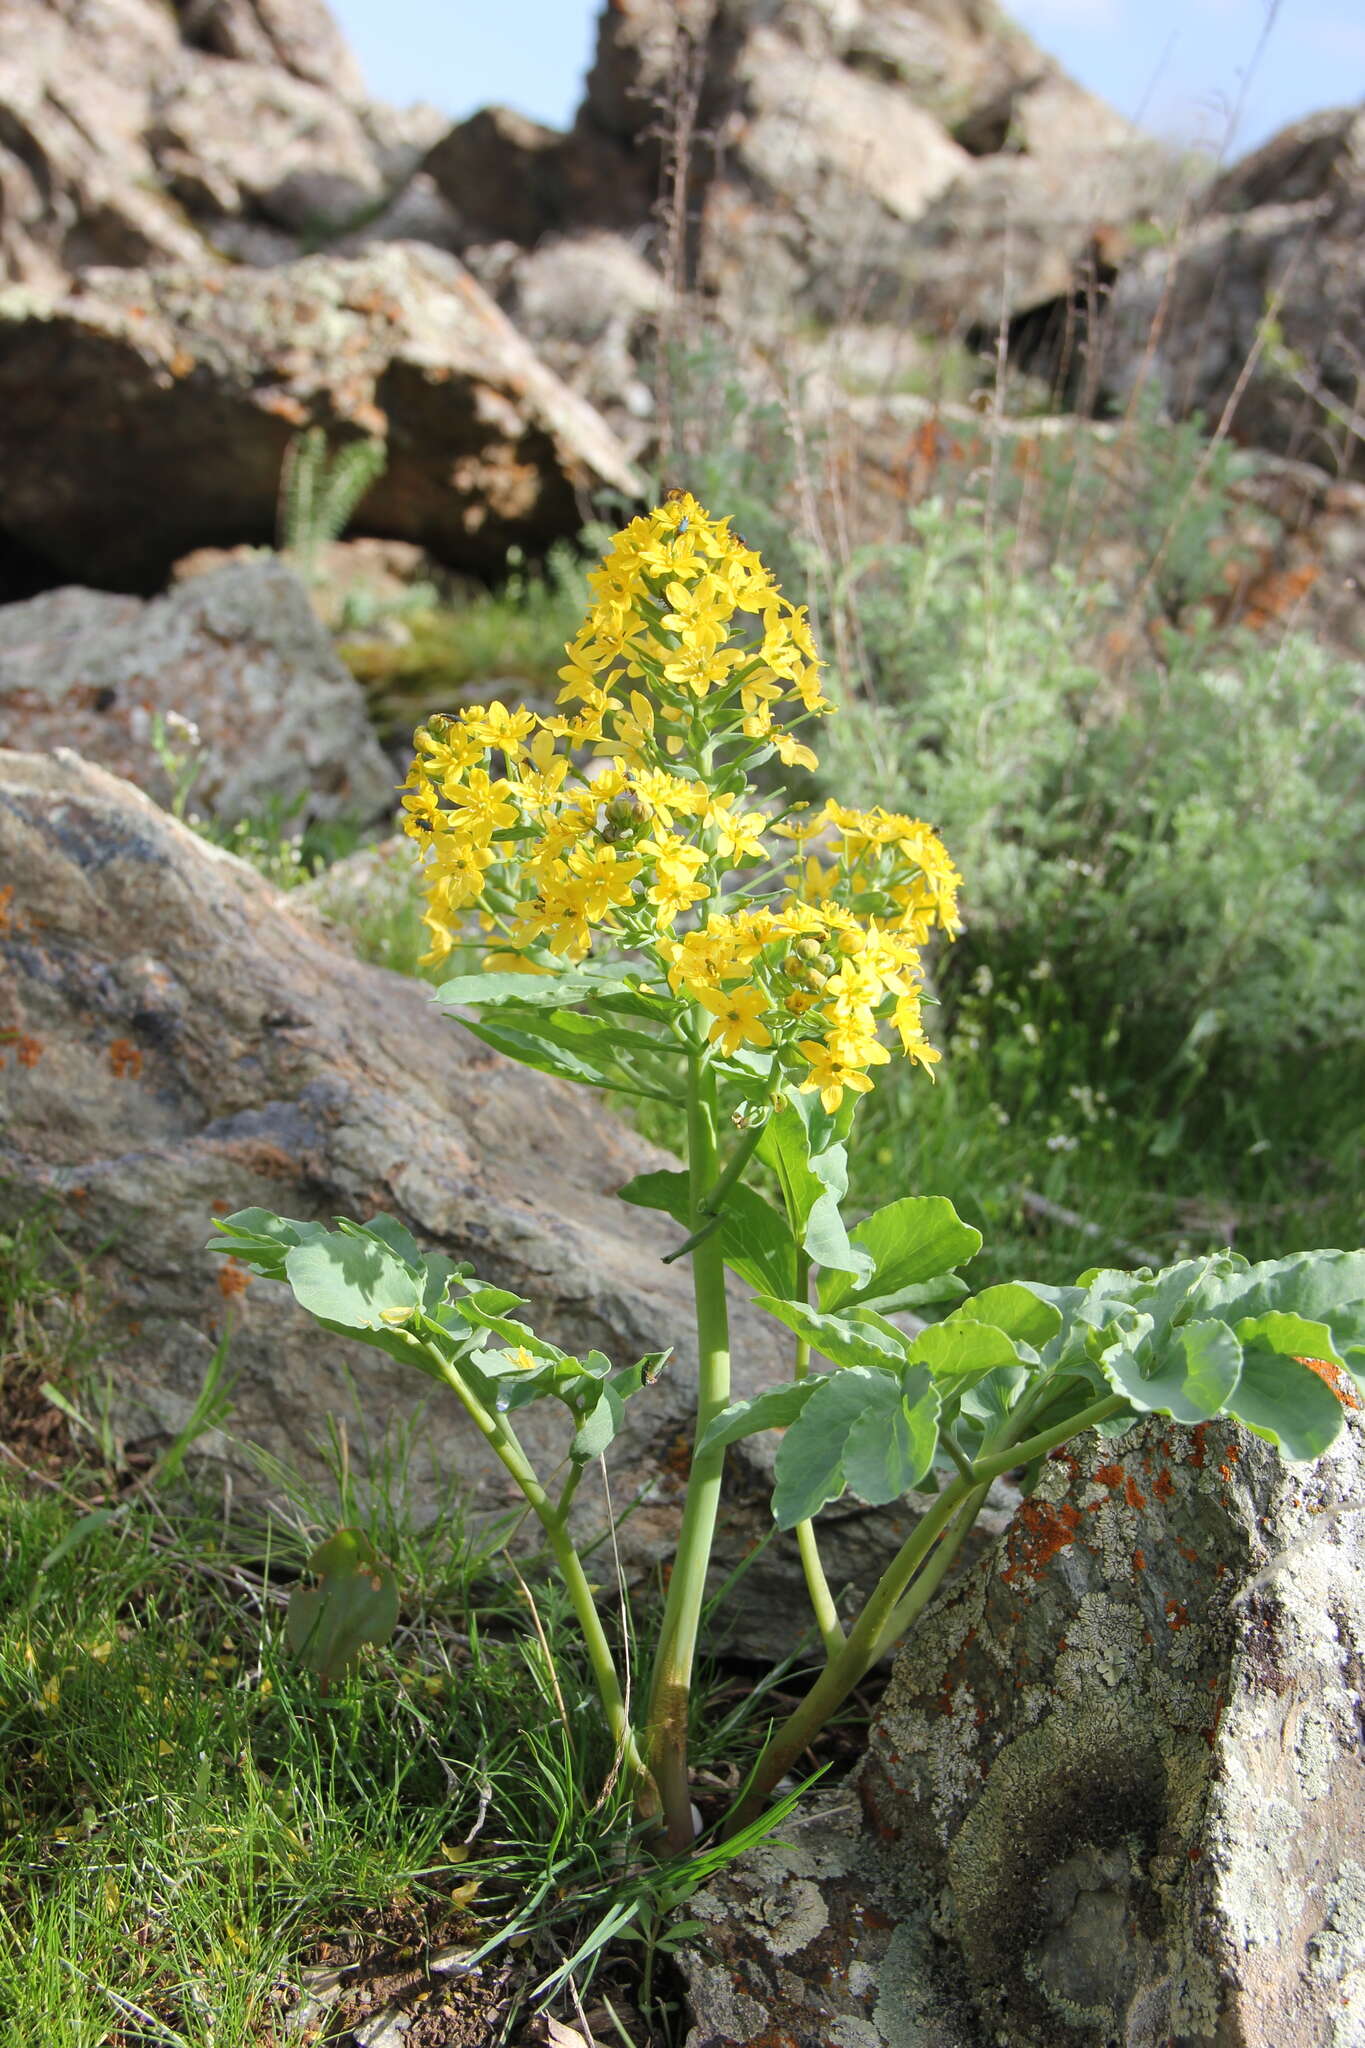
1163 1486
1177 1615
125 1060
1133 1494
1109 1475
232 1279
1196 1457
1139 1561
1332 1376
1037 1534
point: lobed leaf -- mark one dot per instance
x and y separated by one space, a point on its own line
912 1243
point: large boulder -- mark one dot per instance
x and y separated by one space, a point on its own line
1258 312
864 159
180 1040
132 130
238 653
143 414
1114 1796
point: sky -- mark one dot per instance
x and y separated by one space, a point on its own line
1184 68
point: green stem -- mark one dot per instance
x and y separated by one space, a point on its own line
672 1684
873 1634
739 1159
807 1543
930 1577
503 1440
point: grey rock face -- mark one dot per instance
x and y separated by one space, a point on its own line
238 651
850 161
126 126
1282 236
1114 1791
198 379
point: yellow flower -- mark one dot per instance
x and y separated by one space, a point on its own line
738 1015
831 1073
739 834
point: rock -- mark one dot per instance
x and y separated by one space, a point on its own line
181 1039
866 159
591 305
1282 235
128 127
200 379
232 140
296 36
499 171
77 180
1113 1795
237 651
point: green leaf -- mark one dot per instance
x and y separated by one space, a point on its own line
809 1469
773 1410
991 1398
352 1283
1016 1310
1287 1404
390 1232
754 1236
804 1146
950 1349
1293 1336
886 1424
529 991
260 1239
912 1243
890 1448
537 1051
355 1604
599 1425
846 1340
1190 1374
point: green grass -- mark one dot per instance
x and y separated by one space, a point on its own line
425 657
189 1818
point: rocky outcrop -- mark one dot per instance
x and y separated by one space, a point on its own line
237 652
591 303
179 1039
863 161
145 414
134 132
1258 312
1113 1796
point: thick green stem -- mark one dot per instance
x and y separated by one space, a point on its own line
503 1440
895 1599
807 1543
671 1692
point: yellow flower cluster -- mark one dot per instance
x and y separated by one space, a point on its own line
788 940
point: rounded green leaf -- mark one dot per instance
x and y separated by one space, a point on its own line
1188 1374
1286 1403
1016 1310
889 1449
355 1283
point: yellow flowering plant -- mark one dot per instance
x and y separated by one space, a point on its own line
650 921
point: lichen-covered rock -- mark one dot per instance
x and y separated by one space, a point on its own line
1113 1796
238 652
129 127
179 1039
846 161
198 379
298 36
